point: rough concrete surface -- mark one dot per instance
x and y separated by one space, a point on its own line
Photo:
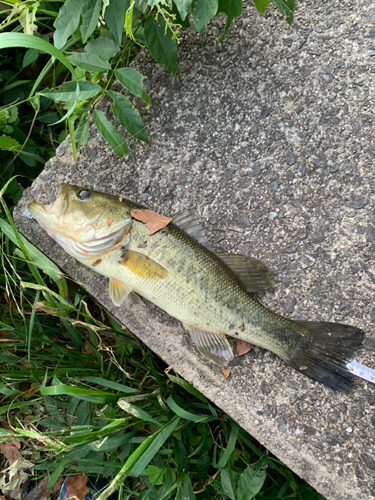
269 139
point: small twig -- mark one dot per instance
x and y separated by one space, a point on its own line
23 145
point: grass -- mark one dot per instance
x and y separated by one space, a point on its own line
81 395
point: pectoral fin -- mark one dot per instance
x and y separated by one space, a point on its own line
214 346
143 266
118 291
252 272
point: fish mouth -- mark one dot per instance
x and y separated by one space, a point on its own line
57 208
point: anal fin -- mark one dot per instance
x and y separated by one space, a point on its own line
214 346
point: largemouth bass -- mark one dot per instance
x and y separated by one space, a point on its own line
210 294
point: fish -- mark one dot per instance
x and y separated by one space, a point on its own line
211 294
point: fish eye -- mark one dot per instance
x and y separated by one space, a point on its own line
84 194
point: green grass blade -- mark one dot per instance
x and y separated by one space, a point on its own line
100 397
160 438
111 385
11 40
59 469
230 446
36 257
187 415
137 412
188 387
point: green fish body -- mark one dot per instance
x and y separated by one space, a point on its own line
210 294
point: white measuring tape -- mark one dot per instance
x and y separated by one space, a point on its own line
362 371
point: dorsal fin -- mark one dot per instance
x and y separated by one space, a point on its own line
252 272
191 225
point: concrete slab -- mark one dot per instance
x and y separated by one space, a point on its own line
269 139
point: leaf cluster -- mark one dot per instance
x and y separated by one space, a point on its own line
76 50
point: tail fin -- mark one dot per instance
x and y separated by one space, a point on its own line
325 350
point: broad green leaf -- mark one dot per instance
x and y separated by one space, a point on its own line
115 17
89 62
228 483
286 7
132 80
90 16
110 134
128 20
67 21
185 491
230 446
183 7
261 6
252 479
30 56
11 40
27 18
9 144
232 9
103 46
155 475
49 117
203 11
128 116
33 158
161 45
187 414
67 91
82 133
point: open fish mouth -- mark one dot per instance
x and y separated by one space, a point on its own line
45 213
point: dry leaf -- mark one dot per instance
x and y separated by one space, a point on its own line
226 373
10 449
303 368
76 487
153 221
243 347
40 492
12 477
88 347
109 221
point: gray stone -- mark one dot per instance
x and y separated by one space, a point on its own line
358 201
318 236
370 233
290 303
321 161
306 261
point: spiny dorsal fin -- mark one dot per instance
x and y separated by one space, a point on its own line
252 272
214 346
191 225
118 291
143 266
